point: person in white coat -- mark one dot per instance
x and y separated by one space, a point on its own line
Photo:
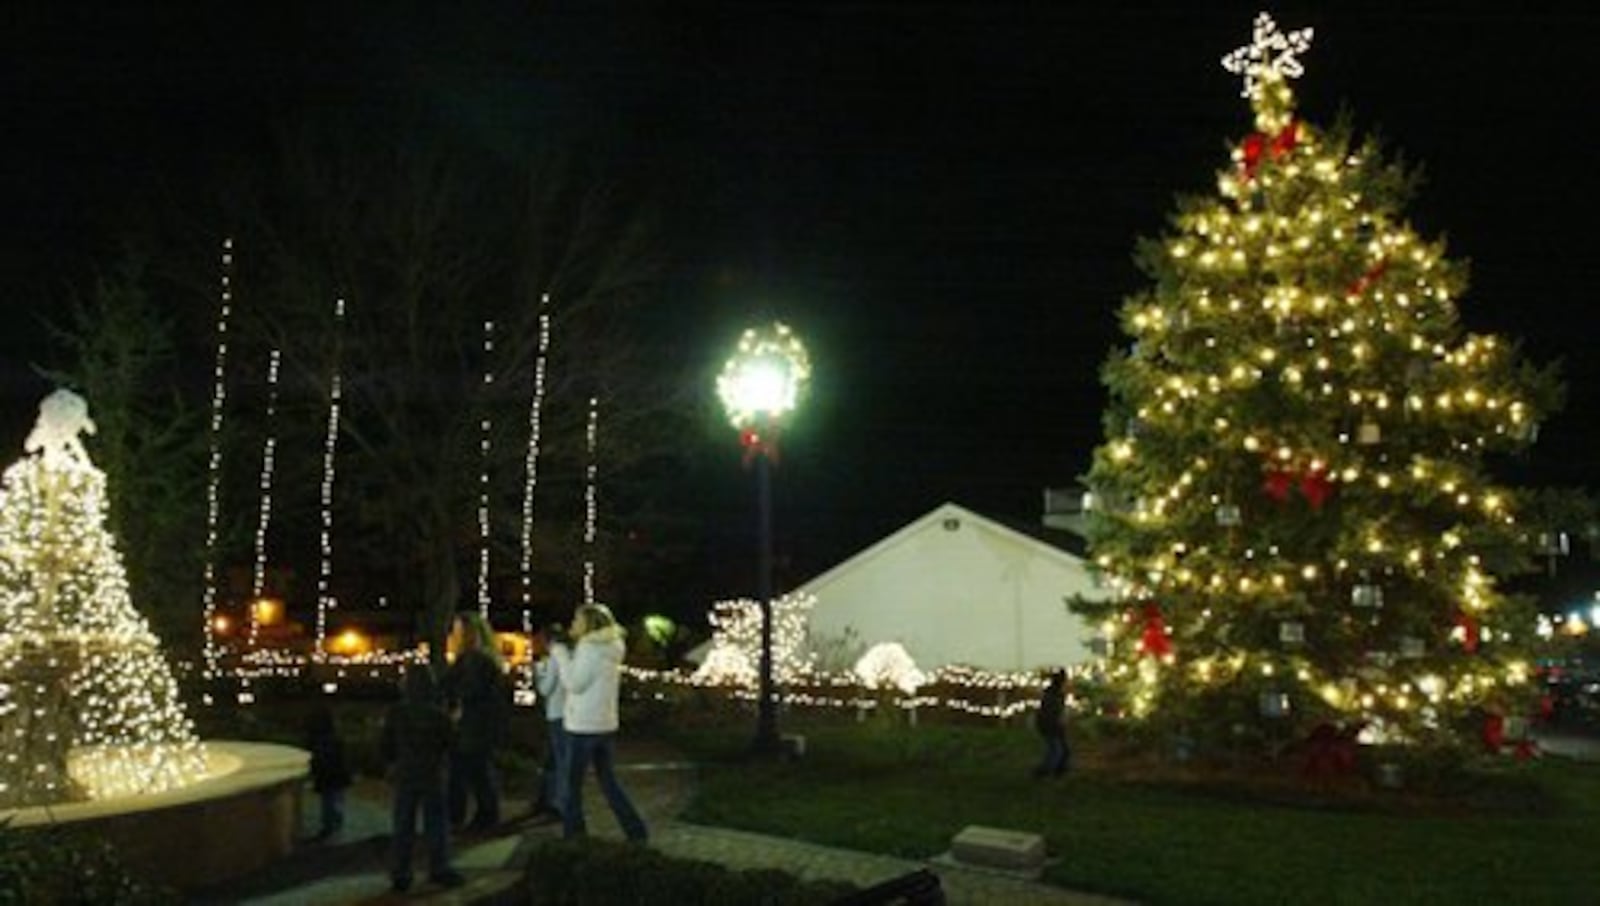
591 673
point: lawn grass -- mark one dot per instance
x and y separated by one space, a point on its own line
1526 836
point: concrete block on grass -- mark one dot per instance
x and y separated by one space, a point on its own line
994 847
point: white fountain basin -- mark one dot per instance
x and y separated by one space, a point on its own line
240 815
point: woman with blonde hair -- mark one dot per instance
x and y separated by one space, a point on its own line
478 693
592 672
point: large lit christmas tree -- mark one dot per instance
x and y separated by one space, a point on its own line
88 707
1292 500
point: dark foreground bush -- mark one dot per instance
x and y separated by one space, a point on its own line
62 865
585 872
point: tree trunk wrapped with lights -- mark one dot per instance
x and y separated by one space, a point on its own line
88 706
1294 502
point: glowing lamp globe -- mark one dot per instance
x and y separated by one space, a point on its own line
765 378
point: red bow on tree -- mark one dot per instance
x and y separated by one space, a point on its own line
1494 732
1278 484
1256 144
1154 641
1469 632
1316 489
1366 280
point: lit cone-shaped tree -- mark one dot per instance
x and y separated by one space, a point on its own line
1292 499
88 707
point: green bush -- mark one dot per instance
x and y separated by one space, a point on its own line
64 865
590 871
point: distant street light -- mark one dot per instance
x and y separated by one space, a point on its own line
759 386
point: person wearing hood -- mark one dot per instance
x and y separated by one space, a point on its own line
591 673
477 692
415 743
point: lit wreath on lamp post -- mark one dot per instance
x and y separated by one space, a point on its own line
759 386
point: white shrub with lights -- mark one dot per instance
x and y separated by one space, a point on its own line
735 652
887 665
88 706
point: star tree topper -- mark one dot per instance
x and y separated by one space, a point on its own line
1271 55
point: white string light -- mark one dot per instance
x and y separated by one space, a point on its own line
483 474
1270 55
531 468
591 496
219 395
89 706
325 598
268 459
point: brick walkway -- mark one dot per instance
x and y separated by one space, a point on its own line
351 869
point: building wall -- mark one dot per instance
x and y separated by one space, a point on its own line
957 589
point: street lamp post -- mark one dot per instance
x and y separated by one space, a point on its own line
759 386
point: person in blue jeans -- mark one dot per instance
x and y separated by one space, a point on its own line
592 673
415 743
552 791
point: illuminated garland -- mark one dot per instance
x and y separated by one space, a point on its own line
994 695
591 498
525 677
269 448
219 394
484 444
325 599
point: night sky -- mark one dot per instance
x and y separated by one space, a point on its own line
943 198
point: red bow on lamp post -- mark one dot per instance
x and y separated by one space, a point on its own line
756 444
1258 144
1154 641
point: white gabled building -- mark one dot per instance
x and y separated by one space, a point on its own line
955 587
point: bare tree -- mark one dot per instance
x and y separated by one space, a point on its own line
426 243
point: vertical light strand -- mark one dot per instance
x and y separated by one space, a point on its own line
325 598
219 396
483 473
269 448
531 483
591 495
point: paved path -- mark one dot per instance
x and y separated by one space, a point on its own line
351 868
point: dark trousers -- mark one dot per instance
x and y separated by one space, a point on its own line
409 800
473 773
332 810
584 749
1057 757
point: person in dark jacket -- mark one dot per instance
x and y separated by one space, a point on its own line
415 745
477 692
330 776
1051 722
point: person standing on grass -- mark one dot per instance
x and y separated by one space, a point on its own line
592 675
552 788
477 691
415 745
1051 722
